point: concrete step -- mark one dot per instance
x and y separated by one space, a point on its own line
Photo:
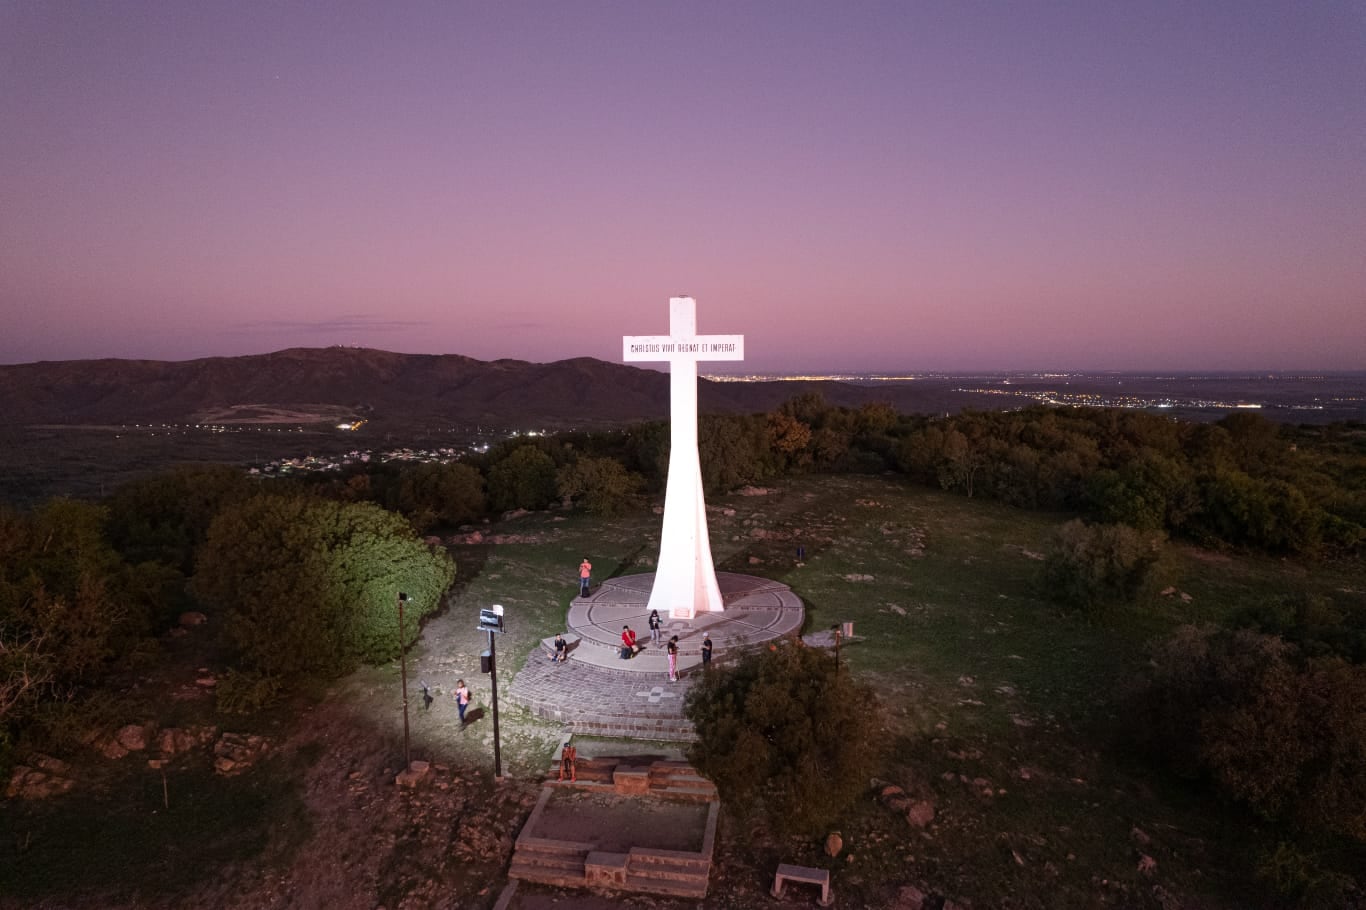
537 849
695 794
565 875
669 864
696 888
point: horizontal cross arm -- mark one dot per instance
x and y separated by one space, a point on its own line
666 347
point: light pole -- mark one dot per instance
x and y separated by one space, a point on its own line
403 675
491 620
836 629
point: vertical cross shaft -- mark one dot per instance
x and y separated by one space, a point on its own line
685 577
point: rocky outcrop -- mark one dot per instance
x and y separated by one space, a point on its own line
235 753
45 776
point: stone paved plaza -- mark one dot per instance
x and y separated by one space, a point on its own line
597 692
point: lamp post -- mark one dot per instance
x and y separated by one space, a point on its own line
490 621
836 629
403 675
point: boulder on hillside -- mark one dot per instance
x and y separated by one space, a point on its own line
134 737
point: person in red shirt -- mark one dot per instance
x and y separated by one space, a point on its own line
628 642
585 576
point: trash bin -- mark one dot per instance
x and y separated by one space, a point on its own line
847 630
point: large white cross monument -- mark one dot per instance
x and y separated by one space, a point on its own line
685 578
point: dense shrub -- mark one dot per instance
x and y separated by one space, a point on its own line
783 734
245 692
70 607
600 485
1283 736
524 479
165 517
311 586
1092 567
450 494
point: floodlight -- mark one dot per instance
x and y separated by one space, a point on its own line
491 618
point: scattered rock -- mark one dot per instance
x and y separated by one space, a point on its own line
1168 591
755 561
858 578
110 748
833 844
1146 864
33 783
134 737
1140 836
1186 598
920 814
414 776
754 491
193 618
899 611
206 682
235 753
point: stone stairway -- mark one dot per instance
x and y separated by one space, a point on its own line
679 780
575 864
666 872
550 862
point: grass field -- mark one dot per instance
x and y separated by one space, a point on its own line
998 702
990 687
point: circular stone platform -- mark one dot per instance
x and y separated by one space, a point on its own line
598 692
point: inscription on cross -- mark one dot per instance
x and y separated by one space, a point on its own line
682 344
685 577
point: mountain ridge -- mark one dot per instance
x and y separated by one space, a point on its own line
376 383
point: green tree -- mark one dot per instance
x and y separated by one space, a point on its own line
1092 567
450 494
165 517
69 605
1283 736
782 733
310 586
524 479
601 485
788 439
733 451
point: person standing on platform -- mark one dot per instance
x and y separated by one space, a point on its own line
706 650
585 577
655 624
673 659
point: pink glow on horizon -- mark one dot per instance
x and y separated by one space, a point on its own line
887 187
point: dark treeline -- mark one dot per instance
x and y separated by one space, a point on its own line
1242 482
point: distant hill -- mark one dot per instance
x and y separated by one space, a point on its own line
385 386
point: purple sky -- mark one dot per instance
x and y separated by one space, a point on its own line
871 185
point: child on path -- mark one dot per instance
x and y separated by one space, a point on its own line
585 576
655 623
462 698
673 659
